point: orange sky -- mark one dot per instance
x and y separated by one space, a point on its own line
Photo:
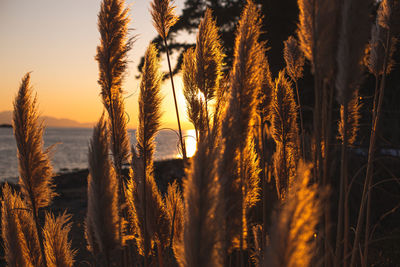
57 40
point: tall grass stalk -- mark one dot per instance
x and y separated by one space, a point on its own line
209 60
34 164
154 226
163 14
201 245
294 68
285 133
102 219
246 80
352 40
112 60
384 23
195 106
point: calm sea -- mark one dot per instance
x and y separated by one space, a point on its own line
70 152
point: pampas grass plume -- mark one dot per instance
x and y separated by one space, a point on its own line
209 57
102 220
34 164
293 231
285 133
163 14
200 246
191 91
20 240
112 59
353 119
57 246
149 104
305 30
294 58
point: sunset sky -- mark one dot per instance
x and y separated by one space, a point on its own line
57 40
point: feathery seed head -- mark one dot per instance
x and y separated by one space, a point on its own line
56 244
209 56
163 13
292 241
34 164
384 16
246 77
294 58
285 132
112 52
149 103
353 119
191 91
18 231
305 30
102 222
202 228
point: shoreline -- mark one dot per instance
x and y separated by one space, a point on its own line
71 189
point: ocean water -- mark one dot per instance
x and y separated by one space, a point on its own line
71 148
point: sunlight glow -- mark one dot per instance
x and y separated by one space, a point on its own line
190 142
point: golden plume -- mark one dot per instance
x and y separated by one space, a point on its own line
112 58
202 226
294 58
285 133
149 205
353 119
102 219
305 30
209 57
246 80
149 104
57 246
191 92
163 13
20 241
34 164
293 230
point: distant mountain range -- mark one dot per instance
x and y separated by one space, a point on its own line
6 118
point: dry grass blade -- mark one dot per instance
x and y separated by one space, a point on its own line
57 246
20 241
34 164
102 220
200 246
293 232
163 13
